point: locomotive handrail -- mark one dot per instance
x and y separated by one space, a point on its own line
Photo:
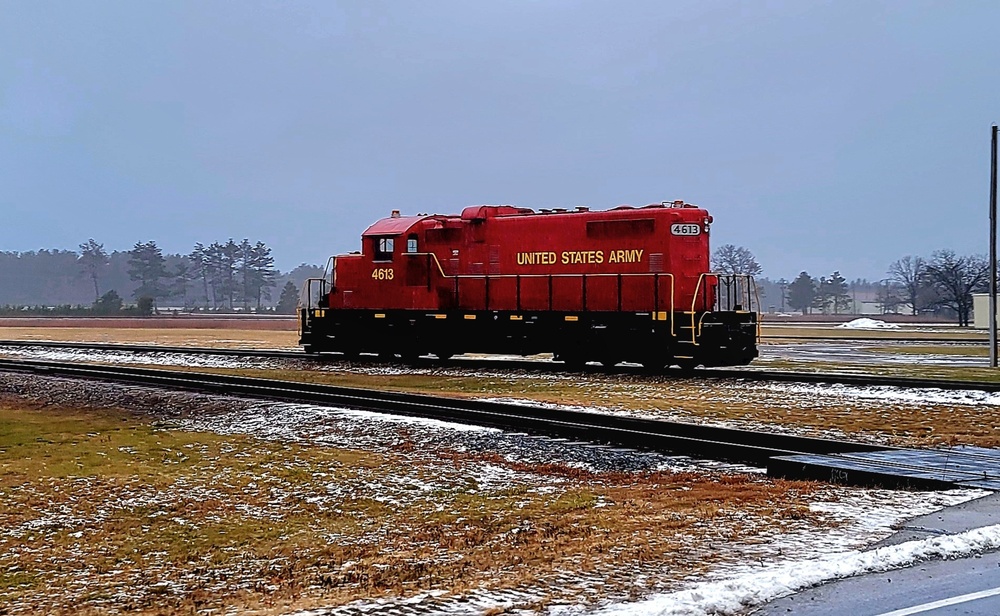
330 271
305 305
695 331
583 278
431 255
745 289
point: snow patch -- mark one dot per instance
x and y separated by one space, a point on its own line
887 393
865 323
735 596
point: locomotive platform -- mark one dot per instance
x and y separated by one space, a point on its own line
928 469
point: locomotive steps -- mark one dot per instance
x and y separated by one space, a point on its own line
787 456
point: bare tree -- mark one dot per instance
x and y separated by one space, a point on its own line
731 259
888 299
956 278
909 274
93 259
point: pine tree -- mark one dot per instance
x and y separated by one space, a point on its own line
109 303
837 292
257 273
802 293
289 300
93 259
147 265
199 268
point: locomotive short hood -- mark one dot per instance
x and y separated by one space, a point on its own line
396 225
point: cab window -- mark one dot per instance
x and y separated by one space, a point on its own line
411 244
383 249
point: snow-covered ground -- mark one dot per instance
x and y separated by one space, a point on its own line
864 353
748 574
195 360
741 592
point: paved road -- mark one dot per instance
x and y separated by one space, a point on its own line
884 593
934 588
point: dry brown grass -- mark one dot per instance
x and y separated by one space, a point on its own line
748 405
226 338
102 511
965 350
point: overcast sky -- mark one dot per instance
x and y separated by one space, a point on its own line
821 135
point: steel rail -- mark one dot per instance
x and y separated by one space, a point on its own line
729 444
548 367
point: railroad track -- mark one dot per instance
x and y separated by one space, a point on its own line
743 446
544 367
784 455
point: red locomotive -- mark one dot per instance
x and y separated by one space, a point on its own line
627 284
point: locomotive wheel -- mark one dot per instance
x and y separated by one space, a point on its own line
653 363
610 362
443 355
687 364
573 360
410 356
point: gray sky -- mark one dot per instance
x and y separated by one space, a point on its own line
821 135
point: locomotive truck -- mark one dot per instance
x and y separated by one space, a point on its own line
627 284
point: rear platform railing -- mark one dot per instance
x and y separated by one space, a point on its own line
314 294
722 293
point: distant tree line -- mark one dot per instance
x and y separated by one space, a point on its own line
826 294
941 284
221 276
233 276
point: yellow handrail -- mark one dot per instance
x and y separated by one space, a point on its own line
696 327
673 283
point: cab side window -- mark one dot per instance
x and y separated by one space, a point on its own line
383 249
411 244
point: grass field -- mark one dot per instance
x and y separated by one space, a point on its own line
968 351
104 511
